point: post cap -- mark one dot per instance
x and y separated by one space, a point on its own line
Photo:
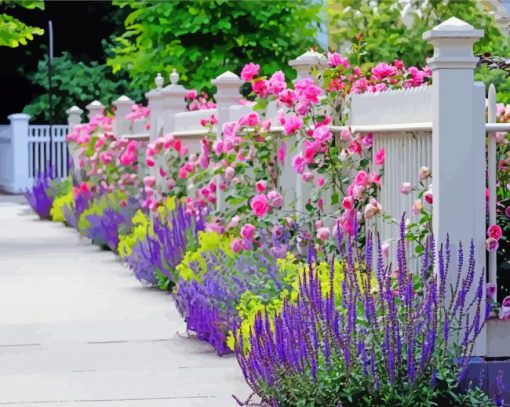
123 101
453 42
18 116
94 104
309 58
227 78
452 28
74 110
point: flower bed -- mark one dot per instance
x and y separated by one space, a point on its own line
300 296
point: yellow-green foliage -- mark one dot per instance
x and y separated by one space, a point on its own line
141 224
207 242
109 200
57 210
294 272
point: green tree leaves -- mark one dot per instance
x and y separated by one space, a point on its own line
204 38
14 32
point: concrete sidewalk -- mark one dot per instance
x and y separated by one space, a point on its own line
77 329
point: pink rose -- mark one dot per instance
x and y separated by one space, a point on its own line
320 182
248 231
322 134
335 59
504 311
149 181
260 87
323 233
259 205
424 173
491 244
234 222
237 245
494 232
282 152
428 197
348 203
292 124
192 94
507 211
275 199
229 173
261 186
307 176
379 157
417 207
490 290
361 178
406 188
250 71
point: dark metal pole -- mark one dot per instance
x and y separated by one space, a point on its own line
50 90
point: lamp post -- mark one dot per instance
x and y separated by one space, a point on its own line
50 90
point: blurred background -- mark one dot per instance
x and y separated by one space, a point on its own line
106 48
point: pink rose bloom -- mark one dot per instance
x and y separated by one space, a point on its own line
495 232
504 311
428 197
237 245
491 244
507 211
288 97
277 83
282 152
259 205
307 89
248 231
308 176
275 199
105 157
251 119
320 182
229 173
424 173
149 181
260 87
490 290
323 233
417 207
335 59
322 134
298 163
406 188
192 94
261 186
292 124
361 178
250 71
382 70
379 157
348 203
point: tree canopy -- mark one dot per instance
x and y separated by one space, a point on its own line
203 38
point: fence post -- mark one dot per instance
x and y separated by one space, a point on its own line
154 98
303 65
94 108
123 107
458 148
73 117
227 95
173 101
19 140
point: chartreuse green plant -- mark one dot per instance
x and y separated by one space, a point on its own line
14 32
64 197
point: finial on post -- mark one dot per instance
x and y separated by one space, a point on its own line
159 81
304 63
174 77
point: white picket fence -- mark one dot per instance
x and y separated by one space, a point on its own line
25 152
440 126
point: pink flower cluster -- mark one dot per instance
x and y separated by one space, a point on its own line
196 101
494 233
138 112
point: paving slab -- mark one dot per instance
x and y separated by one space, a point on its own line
77 329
